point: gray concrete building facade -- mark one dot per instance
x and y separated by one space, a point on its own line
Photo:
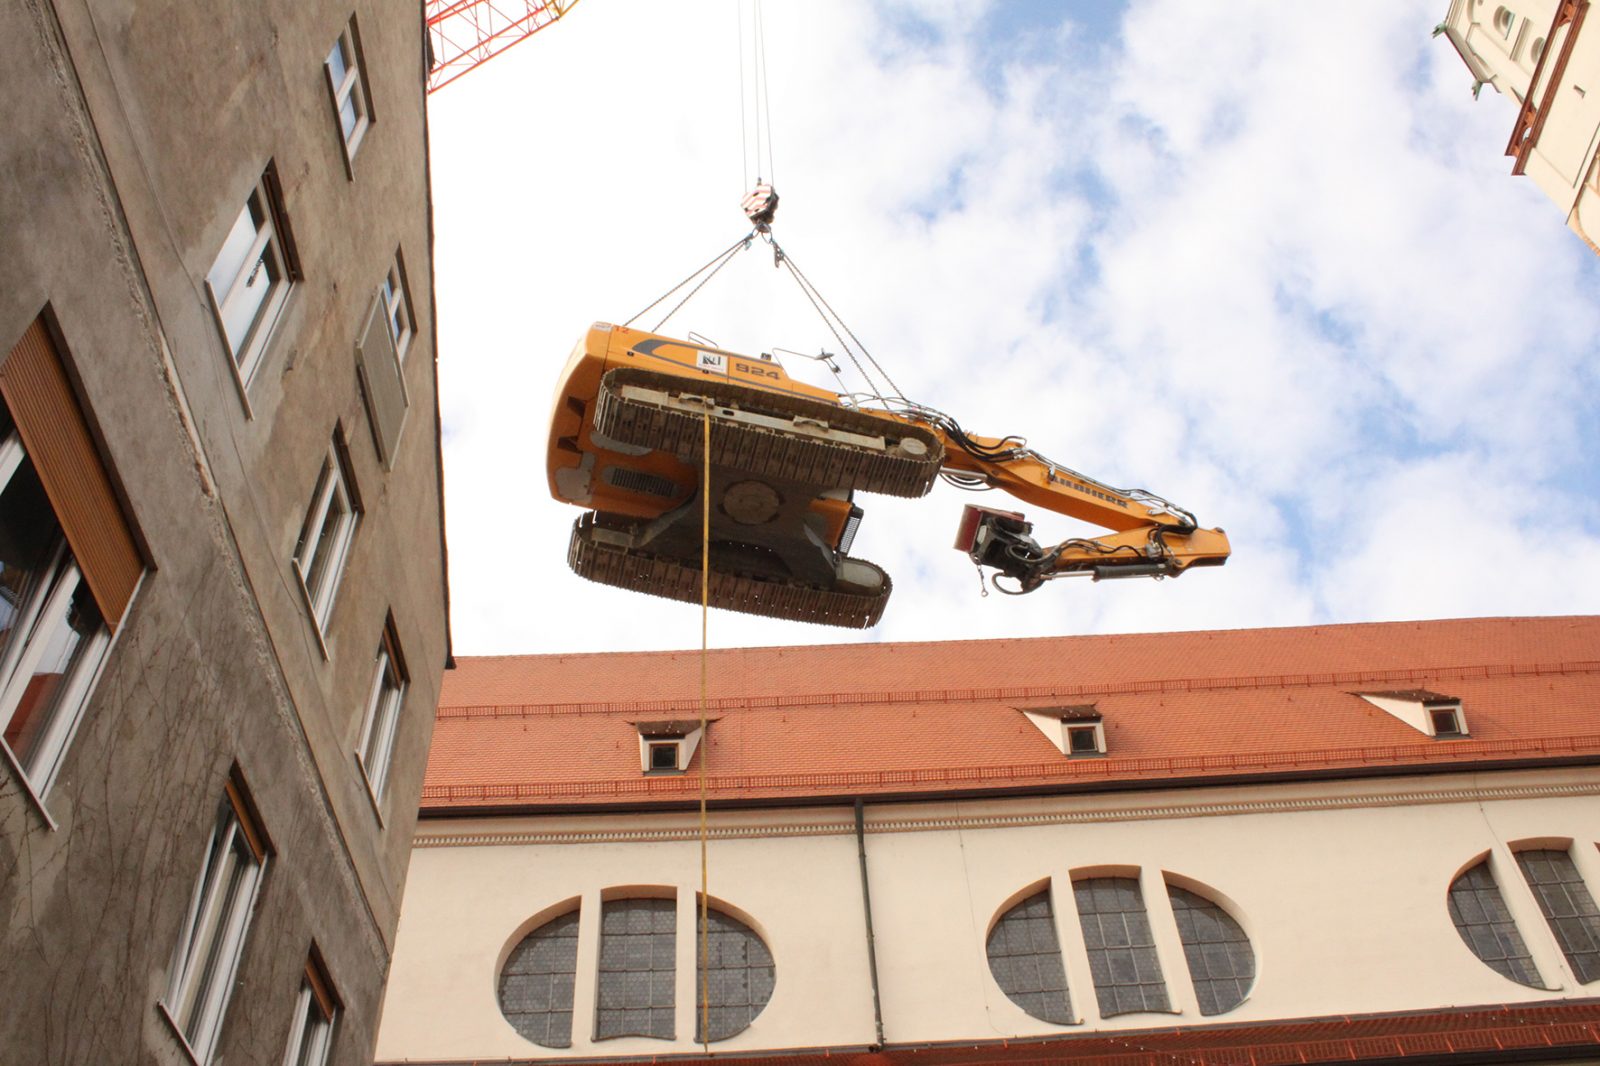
223 600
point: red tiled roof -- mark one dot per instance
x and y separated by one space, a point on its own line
531 732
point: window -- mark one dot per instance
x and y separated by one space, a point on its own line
384 701
1446 722
1536 52
636 977
638 946
58 606
311 1034
1083 740
250 279
1221 964
1025 958
347 83
664 756
1503 20
1122 951
737 979
325 538
536 983
1485 925
214 930
397 307
1568 908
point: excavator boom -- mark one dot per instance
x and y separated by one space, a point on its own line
786 458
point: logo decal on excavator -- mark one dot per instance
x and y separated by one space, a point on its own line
715 362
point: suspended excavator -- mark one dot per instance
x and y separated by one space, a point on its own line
786 459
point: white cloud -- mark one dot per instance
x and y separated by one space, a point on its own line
1275 270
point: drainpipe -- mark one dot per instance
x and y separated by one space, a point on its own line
866 906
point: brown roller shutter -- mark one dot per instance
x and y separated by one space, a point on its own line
57 439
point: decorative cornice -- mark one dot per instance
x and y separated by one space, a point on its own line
965 822
1009 693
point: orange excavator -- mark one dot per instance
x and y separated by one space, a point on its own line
786 461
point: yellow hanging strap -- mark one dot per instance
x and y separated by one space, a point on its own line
705 747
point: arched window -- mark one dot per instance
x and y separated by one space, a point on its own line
1503 18
1568 907
1480 916
1122 950
1221 964
1025 958
737 981
536 982
1536 51
638 957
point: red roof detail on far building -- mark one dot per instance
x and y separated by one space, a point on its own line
800 723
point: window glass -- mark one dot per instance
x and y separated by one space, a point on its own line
1567 906
536 983
311 1037
338 67
67 633
1122 953
219 913
1025 958
637 963
383 714
230 262
1221 964
1481 918
738 977
325 538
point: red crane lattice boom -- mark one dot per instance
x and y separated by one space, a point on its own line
464 34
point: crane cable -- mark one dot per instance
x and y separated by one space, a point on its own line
705 743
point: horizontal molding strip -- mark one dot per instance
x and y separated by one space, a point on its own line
1152 812
1059 772
1026 692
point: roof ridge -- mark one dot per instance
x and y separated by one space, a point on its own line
1021 692
1429 623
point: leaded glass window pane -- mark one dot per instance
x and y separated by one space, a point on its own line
1025 958
1567 906
638 945
1122 951
1221 963
536 984
737 978
1480 916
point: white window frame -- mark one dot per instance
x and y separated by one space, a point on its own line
333 484
228 284
207 955
351 88
311 1033
50 598
397 308
1094 729
385 700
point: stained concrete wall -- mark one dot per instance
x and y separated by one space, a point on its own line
1340 885
133 135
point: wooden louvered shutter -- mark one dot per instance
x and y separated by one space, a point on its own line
57 439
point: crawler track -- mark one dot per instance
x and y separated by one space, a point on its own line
797 440
640 571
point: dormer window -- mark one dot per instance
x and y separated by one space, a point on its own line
1429 713
1077 732
667 747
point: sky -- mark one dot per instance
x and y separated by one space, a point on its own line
1267 261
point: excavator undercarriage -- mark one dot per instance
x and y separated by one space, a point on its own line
628 439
